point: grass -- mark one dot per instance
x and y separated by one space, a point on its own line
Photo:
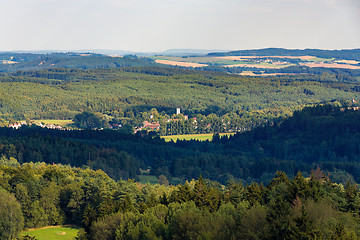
200 137
62 123
147 179
154 180
53 232
316 59
273 65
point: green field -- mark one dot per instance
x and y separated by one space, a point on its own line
223 62
147 179
62 123
154 180
200 137
317 59
53 233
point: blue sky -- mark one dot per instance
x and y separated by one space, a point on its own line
156 25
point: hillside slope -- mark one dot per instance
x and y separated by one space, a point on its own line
350 54
30 94
11 62
321 136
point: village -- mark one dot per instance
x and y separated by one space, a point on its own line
43 125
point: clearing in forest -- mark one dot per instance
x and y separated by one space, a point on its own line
53 232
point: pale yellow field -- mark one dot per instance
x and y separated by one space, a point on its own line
348 61
252 57
330 65
260 65
250 73
8 62
182 64
62 123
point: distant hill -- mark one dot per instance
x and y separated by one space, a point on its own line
32 93
348 54
10 62
184 52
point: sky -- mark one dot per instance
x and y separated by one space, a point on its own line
157 25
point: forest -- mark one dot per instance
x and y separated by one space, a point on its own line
289 170
326 136
321 65
127 96
29 61
39 194
352 54
125 91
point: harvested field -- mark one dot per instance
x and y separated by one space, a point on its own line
353 62
182 64
330 65
258 65
254 57
8 62
252 74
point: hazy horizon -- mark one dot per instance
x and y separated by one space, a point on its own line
160 25
175 50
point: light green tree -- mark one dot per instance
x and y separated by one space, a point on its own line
11 217
11 162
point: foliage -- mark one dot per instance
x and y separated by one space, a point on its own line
127 96
325 136
23 61
11 218
88 120
284 209
352 54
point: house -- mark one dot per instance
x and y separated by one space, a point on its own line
52 126
15 125
152 126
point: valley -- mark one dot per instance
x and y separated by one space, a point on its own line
130 148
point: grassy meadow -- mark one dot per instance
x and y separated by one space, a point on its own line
62 123
53 232
144 179
148 179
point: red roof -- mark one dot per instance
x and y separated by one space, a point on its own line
151 125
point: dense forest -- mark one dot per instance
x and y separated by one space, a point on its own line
36 195
325 136
126 95
318 74
28 61
351 54
125 91
290 171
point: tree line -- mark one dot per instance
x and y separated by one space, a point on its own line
39 194
326 135
127 91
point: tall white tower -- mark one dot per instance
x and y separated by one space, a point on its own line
177 111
